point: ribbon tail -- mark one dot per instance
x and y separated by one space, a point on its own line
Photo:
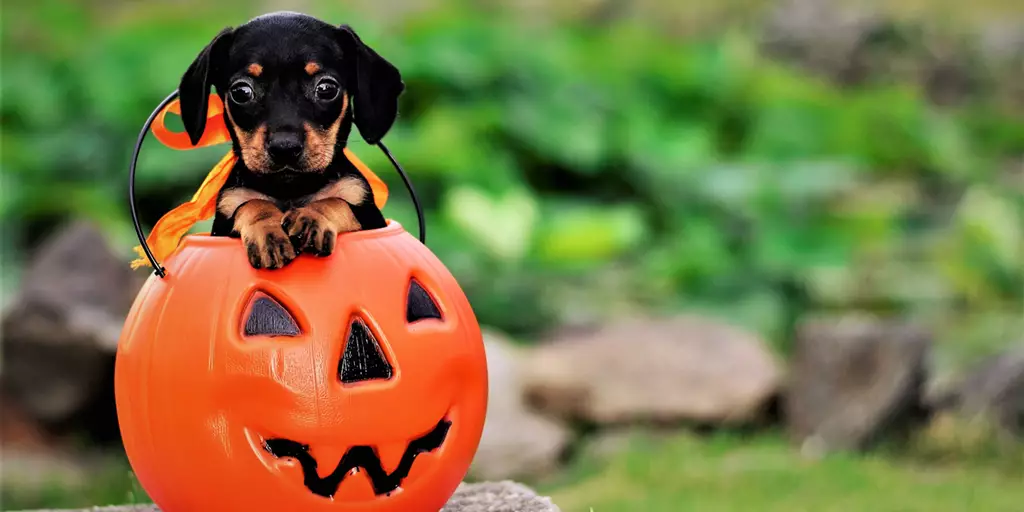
142 260
167 233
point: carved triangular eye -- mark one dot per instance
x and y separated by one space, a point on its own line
420 305
267 317
363 358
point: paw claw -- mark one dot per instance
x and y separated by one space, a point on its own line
269 247
326 243
310 231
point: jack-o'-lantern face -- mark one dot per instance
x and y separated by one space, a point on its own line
353 382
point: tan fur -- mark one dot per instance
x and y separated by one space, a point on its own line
328 212
312 68
254 152
320 142
231 199
349 189
258 223
256 212
255 69
338 213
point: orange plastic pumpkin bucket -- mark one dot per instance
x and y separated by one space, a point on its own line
355 382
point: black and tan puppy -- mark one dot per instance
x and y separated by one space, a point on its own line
292 87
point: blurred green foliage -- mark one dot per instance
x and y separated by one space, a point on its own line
570 172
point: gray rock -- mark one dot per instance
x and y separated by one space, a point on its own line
857 42
824 35
61 330
502 496
995 390
516 442
853 379
685 368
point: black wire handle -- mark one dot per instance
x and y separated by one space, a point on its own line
131 182
412 192
160 271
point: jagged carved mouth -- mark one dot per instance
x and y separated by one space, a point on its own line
363 457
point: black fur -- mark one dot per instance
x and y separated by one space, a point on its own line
284 101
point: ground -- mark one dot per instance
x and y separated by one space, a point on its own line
725 472
763 473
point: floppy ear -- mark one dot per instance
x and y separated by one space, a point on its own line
375 83
194 90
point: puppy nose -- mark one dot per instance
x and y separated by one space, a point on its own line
284 147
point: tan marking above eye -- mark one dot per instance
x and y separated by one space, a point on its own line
312 68
255 69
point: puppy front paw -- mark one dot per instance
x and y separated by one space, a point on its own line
310 231
313 228
268 246
258 224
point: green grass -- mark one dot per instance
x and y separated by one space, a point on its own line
723 472
763 473
114 484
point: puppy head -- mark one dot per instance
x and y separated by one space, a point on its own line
290 83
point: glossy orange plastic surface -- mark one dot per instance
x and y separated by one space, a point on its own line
198 400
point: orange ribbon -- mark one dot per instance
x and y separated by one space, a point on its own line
169 230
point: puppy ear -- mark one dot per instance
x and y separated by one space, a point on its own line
194 90
376 84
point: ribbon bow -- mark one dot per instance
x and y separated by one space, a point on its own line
169 230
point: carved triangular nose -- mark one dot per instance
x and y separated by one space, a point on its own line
362 358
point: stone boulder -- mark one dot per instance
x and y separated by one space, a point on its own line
826 36
856 43
61 328
994 390
502 496
681 369
853 379
516 442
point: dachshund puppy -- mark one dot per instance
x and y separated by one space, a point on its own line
292 87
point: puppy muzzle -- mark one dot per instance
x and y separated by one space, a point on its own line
285 150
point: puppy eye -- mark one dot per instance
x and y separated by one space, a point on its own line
241 93
327 89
